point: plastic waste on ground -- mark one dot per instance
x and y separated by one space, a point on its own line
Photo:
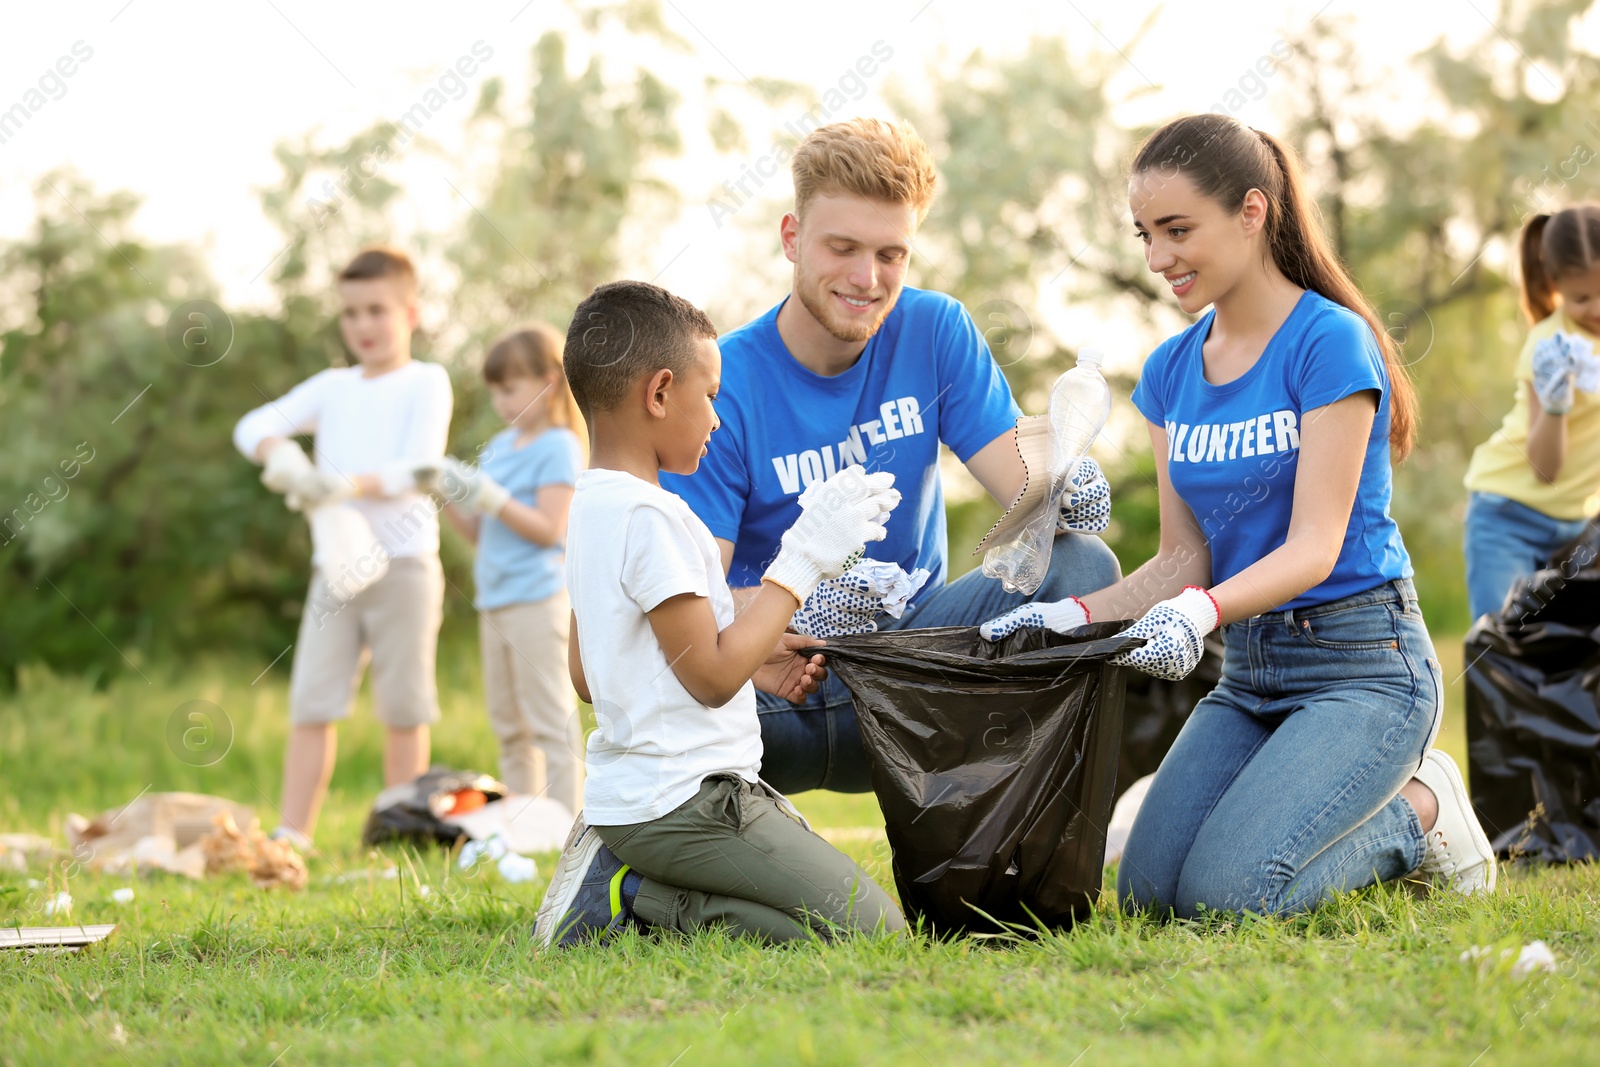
994 764
348 552
1533 711
445 806
1019 546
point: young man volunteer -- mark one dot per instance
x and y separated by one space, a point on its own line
854 367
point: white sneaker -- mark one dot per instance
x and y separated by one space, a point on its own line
1458 855
300 841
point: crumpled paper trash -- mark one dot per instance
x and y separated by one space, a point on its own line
270 862
1534 957
60 904
890 581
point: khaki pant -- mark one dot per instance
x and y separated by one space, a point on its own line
395 620
531 704
732 856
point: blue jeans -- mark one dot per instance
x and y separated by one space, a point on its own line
817 745
1504 541
1282 788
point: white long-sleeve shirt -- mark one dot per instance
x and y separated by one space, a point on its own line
359 426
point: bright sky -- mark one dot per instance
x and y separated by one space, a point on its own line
182 102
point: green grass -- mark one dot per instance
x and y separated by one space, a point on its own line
364 968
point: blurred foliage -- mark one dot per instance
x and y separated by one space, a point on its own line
161 543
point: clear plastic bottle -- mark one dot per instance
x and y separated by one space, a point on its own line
1080 404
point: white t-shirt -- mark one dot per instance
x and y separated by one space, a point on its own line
630 546
360 425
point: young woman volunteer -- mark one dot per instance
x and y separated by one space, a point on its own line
1307 771
1532 483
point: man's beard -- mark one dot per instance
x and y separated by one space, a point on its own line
832 319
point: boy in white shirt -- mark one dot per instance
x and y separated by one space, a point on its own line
678 831
373 424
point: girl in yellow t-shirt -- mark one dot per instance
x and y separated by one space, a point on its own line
1533 483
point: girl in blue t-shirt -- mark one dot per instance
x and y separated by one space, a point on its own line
513 506
1308 770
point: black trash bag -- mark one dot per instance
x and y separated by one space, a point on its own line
994 764
412 812
1533 711
1154 710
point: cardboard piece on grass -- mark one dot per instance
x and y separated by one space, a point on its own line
57 938
155 830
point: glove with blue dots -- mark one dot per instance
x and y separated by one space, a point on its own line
1175 632
1086 502
851 603
1060 616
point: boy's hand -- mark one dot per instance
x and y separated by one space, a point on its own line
838 517
288 470
790 673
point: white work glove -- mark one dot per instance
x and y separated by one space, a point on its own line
466 487
1086 505
289 471
1060 616
838 517
1176 630
1555 372
851 603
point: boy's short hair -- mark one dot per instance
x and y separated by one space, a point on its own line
868 157
381 261
624 331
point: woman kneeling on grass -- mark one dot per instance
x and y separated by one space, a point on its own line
1307 771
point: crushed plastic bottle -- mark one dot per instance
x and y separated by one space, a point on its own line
1080 405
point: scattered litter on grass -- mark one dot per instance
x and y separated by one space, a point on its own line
270 862
1535 957
514 867
159 831
17 851
123 895
473 851
59 904
517 868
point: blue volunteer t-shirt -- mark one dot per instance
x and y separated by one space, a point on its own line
1232 449
510 569
925 377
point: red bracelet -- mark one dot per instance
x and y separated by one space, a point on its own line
1214 605
1083 608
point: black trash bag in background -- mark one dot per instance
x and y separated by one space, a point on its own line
412 812
1533 711
1154 710
994 764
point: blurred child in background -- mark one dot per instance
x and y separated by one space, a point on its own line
1533 483
513 507
373 424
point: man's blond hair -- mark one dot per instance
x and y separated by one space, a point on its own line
866 157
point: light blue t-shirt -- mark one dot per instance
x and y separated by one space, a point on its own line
925 377
510 569
1232 449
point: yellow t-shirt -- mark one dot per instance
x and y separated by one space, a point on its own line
1500 465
